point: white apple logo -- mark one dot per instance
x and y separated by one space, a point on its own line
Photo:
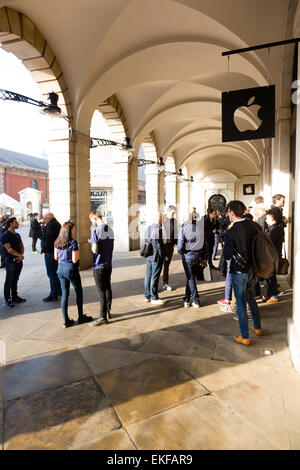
248 190
243 126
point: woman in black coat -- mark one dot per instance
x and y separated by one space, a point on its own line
35 231
275 232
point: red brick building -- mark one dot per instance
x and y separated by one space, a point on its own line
19 171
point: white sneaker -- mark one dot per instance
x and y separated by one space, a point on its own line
195 305
167 287
158 302
228 309
146 300
186 304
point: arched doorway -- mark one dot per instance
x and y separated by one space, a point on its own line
217 202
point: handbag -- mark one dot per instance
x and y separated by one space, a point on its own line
207 274
284 265
147 248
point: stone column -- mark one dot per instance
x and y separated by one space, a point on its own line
83 197
184 200
294 322
154 193
171 190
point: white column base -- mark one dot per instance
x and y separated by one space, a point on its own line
294 344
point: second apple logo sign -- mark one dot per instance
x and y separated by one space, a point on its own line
248 114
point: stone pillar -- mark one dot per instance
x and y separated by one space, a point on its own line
154 193
184 200
281 164
171 190
61 164
294 322
83 197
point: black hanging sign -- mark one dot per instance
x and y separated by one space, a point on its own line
248 189
254 102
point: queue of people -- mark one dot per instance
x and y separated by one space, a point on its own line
197 239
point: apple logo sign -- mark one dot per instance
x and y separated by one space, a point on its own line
243 125
248 190
239 106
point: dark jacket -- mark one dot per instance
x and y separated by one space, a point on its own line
209 226
192 241
262 220
35 229
239 238
49 235
276 234
154 233
169 230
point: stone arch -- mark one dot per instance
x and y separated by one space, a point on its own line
112 112
20 36
124 200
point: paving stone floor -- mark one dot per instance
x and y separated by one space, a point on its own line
154 378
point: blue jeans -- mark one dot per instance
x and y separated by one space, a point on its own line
51 267
152 278
13 271
244 292
191 285
68 273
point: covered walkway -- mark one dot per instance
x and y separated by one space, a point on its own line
154 378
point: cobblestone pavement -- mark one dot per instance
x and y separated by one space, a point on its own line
154 378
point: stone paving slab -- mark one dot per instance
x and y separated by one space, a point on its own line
41 372
56 419
228 350
174 342
114 440
200 424
148 388
102 359
260 407
24 348
216 375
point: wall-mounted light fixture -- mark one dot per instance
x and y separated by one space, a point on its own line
51 109
159 163
180 176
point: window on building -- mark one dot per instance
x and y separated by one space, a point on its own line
34 184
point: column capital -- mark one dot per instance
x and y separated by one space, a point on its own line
81 138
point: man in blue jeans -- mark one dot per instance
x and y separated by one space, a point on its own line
50 232
238 249
154 262
193 247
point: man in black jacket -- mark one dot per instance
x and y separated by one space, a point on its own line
210 229
35 231
238 249
50 231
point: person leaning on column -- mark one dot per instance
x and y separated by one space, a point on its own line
170 235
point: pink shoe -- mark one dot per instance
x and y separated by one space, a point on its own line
224 302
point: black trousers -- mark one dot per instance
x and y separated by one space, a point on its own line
169 250
13 271
103 284
33 245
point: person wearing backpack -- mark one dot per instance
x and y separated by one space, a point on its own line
238 247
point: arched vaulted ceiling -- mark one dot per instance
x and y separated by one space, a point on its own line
162 60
